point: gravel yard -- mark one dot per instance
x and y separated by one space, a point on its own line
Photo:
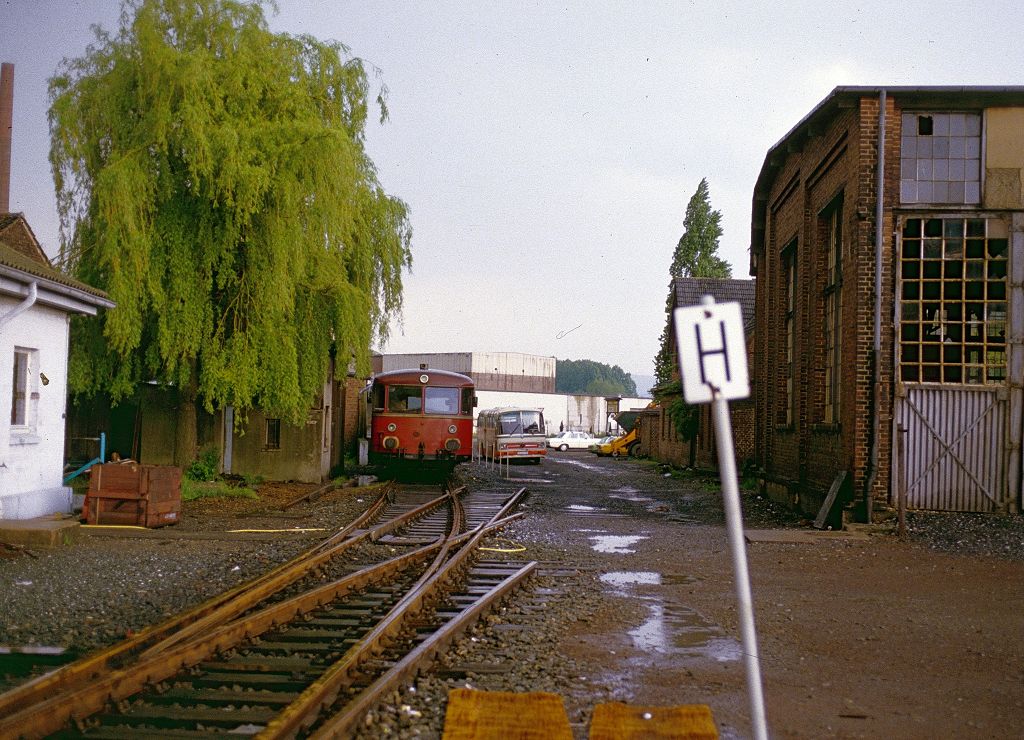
860 635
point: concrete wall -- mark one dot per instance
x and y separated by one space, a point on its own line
1004 158
32 459
491 371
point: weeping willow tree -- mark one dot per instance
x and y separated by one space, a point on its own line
211 176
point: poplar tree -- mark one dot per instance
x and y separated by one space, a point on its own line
696 255
211 176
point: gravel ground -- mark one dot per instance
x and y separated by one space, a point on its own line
564 636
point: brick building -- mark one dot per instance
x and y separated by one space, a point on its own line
659 438
887 289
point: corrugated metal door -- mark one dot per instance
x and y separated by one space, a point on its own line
955 447
958 390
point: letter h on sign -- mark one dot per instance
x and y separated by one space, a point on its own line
712 351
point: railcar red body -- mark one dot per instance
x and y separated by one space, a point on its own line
420 417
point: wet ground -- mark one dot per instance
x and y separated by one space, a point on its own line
860 635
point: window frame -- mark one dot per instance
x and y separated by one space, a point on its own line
953 292
24 394
787 365
831 219
272 434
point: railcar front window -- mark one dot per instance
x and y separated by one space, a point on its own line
442 401
408 398
468 401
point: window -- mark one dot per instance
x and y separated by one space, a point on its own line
25 391
953 300
273 434
521 422
788 332
940 157
19 401
405 398
443 401
468 401
832 219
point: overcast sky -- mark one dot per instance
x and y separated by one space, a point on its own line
547 150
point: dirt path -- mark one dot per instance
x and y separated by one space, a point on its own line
859 637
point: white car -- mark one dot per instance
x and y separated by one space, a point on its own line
571 441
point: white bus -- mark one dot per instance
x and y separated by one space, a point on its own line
511 433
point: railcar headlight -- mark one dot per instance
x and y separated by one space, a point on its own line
452 429
392 427
452 445
391 443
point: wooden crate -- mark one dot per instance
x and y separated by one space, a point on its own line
133 494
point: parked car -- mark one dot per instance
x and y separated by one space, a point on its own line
571 441
595 446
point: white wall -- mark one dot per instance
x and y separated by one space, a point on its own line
32 464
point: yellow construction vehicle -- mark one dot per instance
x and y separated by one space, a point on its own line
628 443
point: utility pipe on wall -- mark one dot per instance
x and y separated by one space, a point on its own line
25 305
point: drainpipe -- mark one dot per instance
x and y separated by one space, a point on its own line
33 294
876 349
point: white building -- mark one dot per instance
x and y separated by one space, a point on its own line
36 303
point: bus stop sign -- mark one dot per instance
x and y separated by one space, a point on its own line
712 351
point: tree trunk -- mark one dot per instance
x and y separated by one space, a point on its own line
186 439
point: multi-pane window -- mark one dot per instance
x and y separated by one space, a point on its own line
273 434
25 392
833 300
953 300
940 157
789 331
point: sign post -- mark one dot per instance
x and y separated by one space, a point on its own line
713 364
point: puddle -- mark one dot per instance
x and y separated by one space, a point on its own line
626 489
581 507
567 461
676 629
634 499
618 544
623 578
670 628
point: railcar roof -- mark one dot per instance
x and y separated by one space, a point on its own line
412 376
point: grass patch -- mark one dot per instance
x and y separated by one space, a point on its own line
194 489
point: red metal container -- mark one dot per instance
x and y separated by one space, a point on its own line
133 494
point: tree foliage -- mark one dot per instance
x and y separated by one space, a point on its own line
592 378
696 255
212 178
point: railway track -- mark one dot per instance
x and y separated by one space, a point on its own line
305 650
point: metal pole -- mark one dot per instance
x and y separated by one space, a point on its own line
737 545
901 481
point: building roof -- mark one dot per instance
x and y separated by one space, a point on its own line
846 97
689 291
17 234
22 257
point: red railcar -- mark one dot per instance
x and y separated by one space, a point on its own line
420 417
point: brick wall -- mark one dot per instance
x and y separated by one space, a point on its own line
837 160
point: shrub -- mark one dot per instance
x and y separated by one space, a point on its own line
204 467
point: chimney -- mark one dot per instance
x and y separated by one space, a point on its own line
6 123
